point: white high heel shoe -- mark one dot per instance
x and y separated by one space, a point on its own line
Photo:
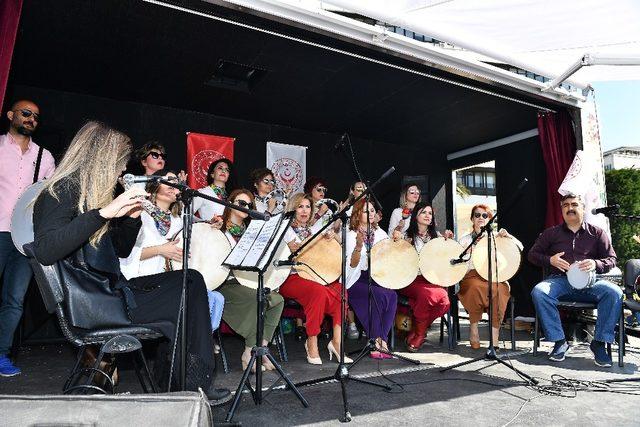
333 351
312 360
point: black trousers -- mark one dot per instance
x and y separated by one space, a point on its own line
157 299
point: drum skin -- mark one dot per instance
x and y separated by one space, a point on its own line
394 265
209 248
324 256
273 276
435 262
579 279
508 259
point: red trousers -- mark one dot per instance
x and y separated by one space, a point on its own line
317 300
428 301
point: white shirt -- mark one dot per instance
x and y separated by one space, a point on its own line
353 273
206 208
148 236
394 220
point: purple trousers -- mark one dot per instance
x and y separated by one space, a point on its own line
383 306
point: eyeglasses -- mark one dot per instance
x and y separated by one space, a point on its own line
321 189
28 113
413 192
479 214
242 203
269 181
222 169
157 155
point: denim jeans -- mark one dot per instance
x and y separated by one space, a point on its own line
16 275
557 288
216 305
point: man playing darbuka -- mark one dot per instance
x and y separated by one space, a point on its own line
556 249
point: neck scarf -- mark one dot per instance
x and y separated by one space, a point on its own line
220 192
236 230
302 230
161 218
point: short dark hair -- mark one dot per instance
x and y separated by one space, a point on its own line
257 175
571 196
312 181
142 152
230 186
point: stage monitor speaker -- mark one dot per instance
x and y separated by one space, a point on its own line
171 409
422 181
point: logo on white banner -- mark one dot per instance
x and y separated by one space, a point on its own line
288 175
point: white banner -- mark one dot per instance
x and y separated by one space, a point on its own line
289 166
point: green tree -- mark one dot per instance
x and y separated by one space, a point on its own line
623 188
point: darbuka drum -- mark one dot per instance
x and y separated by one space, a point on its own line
22 217
394 265
579 279
273 276
323 255
435 262
506 259
209 248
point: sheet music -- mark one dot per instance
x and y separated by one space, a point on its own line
261 242
242 248
272 247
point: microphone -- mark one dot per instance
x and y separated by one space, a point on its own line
341 141
132 179
264 216
606 210
455 261
285 262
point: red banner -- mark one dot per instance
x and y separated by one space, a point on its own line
202 150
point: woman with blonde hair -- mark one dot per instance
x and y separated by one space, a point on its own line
76 216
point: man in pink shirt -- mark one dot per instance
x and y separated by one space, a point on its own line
19 157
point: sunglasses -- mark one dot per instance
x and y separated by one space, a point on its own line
483 215
28 113
414 192
321 189
269 181
360 189
242 203
157 155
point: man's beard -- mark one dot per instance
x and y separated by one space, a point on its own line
24 131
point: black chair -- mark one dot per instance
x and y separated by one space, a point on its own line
578 306
631 273
116 340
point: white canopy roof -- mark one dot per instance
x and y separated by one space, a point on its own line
543 36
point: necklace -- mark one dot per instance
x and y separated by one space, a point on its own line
220 192
235 230
302 230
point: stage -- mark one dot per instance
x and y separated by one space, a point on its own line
478 395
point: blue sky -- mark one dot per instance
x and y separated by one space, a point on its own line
618 105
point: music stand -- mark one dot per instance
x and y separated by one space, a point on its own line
491 351
254 252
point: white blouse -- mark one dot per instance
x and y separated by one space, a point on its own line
394 220
353 273
466 240
148 236
206 208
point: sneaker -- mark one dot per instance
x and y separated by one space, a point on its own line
8 369
600 355
352 332
559 351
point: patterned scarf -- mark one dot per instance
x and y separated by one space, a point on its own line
236 230
220 192
302 230
369 238
161 218
424 237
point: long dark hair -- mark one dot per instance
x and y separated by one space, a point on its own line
412 231
227 211
153 186
231 181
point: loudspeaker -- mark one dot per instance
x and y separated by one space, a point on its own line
170 409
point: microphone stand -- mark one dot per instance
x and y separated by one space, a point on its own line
186 195
342 374
491 351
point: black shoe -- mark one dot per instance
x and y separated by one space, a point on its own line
560 349
217 396
600 355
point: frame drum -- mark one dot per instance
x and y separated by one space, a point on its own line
323 255
435 262
394 265
505 252
209 248
273 276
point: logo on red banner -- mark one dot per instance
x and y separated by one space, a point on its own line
200 164
288 175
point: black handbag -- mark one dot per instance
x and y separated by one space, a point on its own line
92 299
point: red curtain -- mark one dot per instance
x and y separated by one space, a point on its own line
202 150
558 143
9 19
